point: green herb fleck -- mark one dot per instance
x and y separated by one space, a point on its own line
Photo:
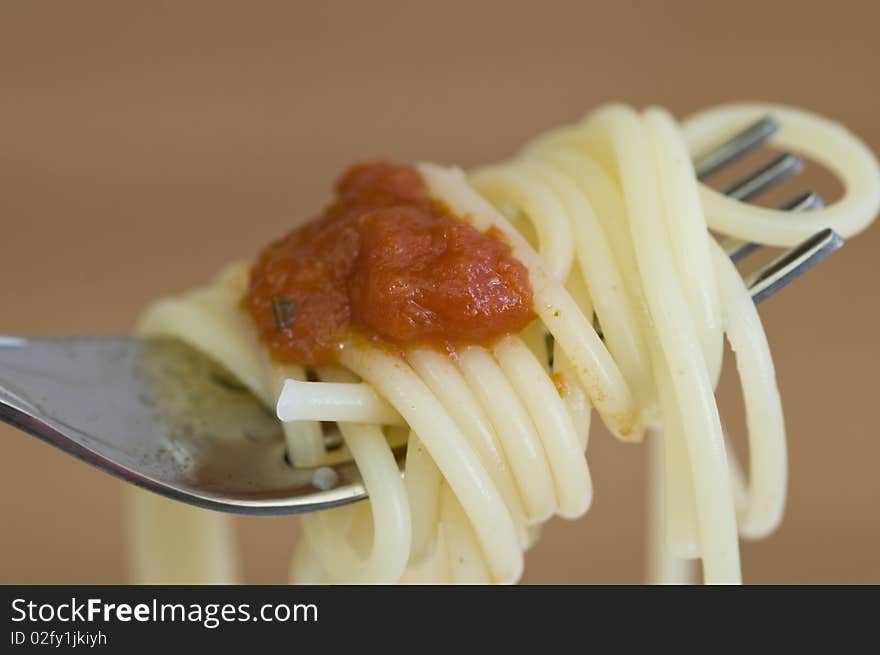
284 310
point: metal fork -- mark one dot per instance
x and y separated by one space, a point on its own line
770 278
160 415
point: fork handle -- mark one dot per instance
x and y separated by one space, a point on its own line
15 408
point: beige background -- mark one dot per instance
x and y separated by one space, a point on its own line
142 145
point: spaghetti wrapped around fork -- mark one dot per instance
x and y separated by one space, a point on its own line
418 307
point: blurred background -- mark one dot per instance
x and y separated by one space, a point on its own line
145 144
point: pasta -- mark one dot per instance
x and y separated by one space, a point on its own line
612 227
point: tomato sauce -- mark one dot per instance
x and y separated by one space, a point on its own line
387 262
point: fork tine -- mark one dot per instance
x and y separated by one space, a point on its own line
753 185
804 202
771 174
740 144
793 263
738 249
770 278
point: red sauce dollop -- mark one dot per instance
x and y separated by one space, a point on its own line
387 261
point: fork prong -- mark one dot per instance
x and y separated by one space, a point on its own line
793 263
806 201
771 174
738 249
740 144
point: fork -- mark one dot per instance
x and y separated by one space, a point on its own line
161 415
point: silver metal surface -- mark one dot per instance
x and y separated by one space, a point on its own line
739 145
160 415
767 176
738 249
773 276
786 268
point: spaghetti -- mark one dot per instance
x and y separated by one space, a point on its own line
610 224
